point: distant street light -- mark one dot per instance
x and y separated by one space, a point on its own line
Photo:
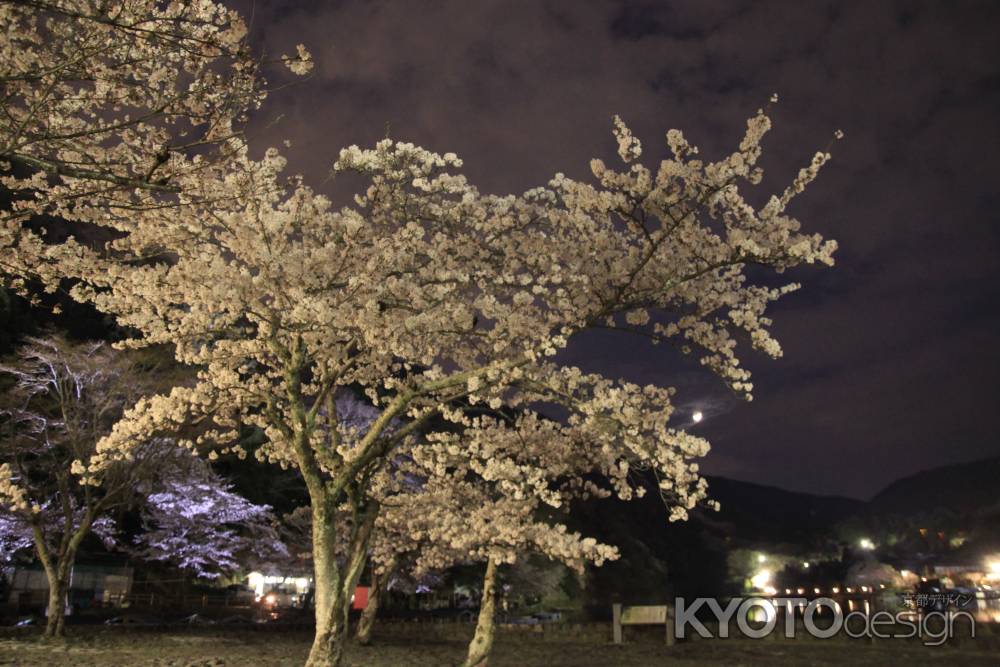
697 416
866 544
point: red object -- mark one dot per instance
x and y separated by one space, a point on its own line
360 600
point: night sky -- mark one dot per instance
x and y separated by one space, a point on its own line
890 357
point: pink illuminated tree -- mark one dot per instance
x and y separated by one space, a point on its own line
65 397
199 524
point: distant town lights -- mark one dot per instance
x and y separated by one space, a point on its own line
697 416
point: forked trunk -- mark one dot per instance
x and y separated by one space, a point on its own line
367 621
335 585
58 566
482 641
58 572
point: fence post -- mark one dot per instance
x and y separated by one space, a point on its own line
616 620
671 638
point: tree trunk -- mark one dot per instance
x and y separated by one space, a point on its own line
335 586
326 576
331 630
58 588
58 565
367 621
482 641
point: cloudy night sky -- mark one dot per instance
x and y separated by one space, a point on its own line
891 357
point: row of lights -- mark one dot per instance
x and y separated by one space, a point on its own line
762 580
835 590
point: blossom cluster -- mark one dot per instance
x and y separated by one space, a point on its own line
110 109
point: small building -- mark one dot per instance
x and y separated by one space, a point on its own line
90 585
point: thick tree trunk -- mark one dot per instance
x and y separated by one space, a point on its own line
335 585
58 589
331 631
367 621
482 641
326 649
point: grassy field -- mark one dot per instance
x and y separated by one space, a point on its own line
99 647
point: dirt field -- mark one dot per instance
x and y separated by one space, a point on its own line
98 646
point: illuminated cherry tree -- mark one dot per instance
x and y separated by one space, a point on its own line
196 522
489 494
423 292
66 397
111 108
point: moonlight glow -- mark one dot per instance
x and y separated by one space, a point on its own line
697 416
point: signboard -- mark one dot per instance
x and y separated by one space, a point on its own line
644 615
360 598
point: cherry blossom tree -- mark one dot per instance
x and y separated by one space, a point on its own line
194 520
111 108
488 493
66 397
424 292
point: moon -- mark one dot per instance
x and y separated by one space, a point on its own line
697 416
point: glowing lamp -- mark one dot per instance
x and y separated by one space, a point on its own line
761 580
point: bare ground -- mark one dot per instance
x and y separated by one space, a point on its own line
99 647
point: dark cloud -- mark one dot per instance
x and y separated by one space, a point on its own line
891 357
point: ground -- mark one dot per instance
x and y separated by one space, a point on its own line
99 647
